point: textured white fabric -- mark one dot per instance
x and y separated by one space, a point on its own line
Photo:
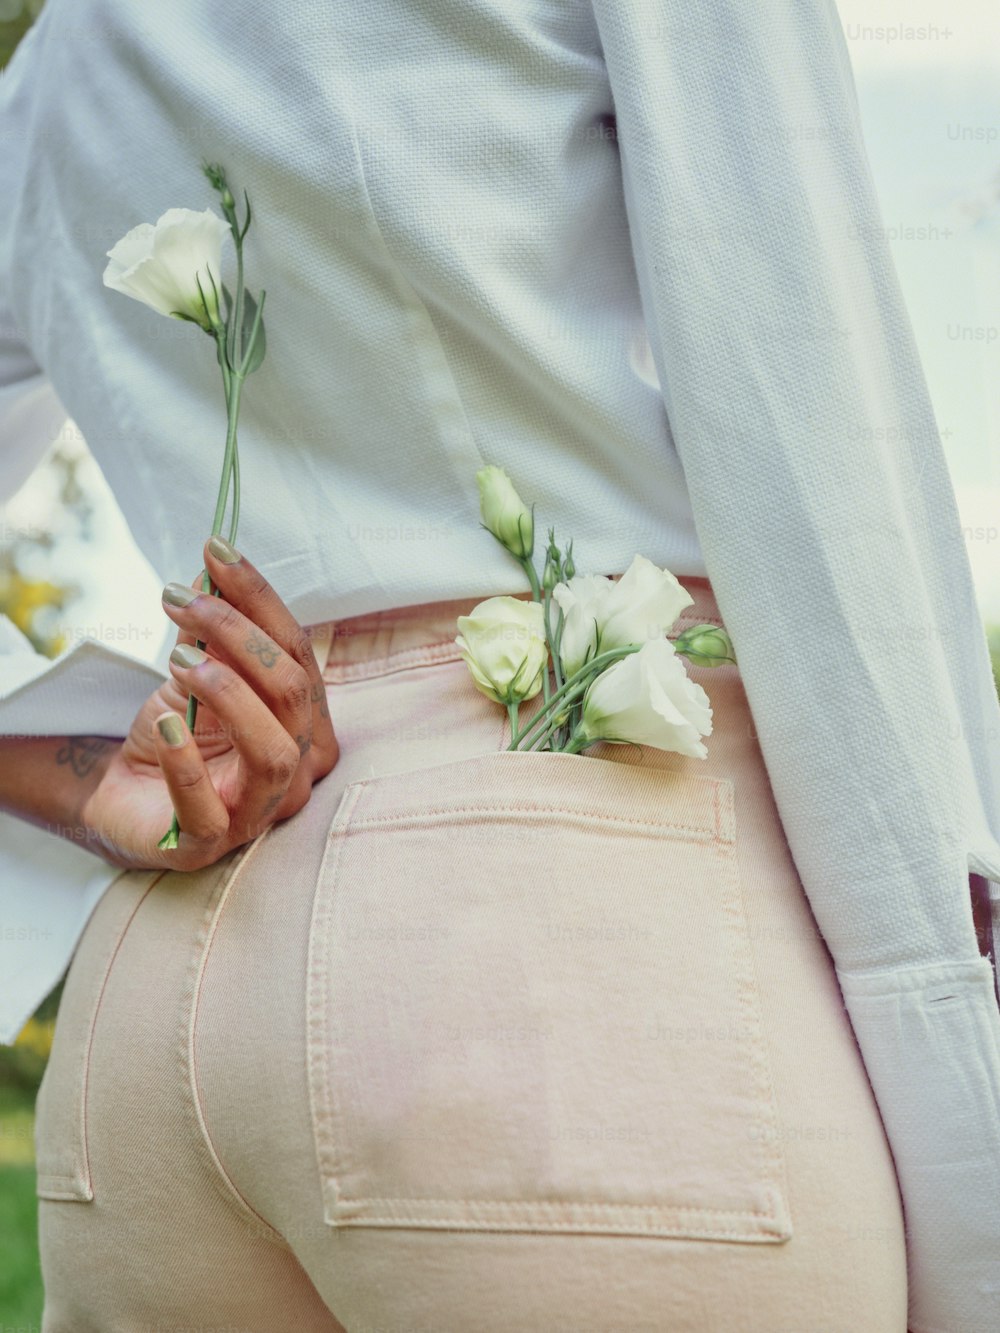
682 335
831 535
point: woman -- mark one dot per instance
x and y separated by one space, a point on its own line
405 1036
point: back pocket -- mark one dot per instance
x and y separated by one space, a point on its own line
532 1006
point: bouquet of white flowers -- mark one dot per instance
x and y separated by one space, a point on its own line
616 677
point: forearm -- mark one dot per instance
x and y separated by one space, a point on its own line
46 780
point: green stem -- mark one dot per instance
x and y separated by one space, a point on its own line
576 742
235 516
529 569
237 354
233 385
236 389
554 640
512 711
576 685
528 566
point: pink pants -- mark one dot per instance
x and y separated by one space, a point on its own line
478 1040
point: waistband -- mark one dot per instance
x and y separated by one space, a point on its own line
378 642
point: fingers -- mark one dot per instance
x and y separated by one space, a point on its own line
276 677
250 628
183 635
269 756
246 589
200 810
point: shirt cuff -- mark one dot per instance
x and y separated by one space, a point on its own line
48 888
930 1038
92 689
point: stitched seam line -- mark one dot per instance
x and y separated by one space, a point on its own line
769 1148
500 813
542 1204
320 1074
712 1232
340 671
768 1151
93 1027
198 1105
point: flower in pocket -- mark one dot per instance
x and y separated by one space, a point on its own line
174 265
648 698
600 613
616 676
503 642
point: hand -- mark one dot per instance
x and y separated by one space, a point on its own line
262 736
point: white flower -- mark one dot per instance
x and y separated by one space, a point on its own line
503 511
648 698
582 602
503 642
601 613
160 265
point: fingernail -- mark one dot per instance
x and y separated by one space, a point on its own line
171 729
223 550
175 594
186 655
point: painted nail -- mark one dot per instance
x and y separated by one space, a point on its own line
186 655
223 550
175 594
171 729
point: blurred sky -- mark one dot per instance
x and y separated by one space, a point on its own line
928 79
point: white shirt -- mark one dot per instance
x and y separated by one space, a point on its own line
681 335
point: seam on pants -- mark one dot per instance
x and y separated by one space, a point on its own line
190 1091
339 671
53 1180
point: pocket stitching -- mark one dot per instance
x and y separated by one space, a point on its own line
768 1148
319 1071
743 969
501 815
755 1061
59 1185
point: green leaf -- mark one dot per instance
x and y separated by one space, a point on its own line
246 225
260 346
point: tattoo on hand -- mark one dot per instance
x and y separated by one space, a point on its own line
272 803
304 743
262 647
82 753
318 696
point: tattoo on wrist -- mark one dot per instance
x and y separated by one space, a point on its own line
81 753
262 647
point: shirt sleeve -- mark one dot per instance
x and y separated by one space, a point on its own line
48 885
828 521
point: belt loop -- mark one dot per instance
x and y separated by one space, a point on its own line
321 637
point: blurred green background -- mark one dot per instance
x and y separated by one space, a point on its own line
35 587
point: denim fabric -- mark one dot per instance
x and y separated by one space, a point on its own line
478 1040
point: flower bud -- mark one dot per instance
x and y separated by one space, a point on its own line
706 646
569 567
504 513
